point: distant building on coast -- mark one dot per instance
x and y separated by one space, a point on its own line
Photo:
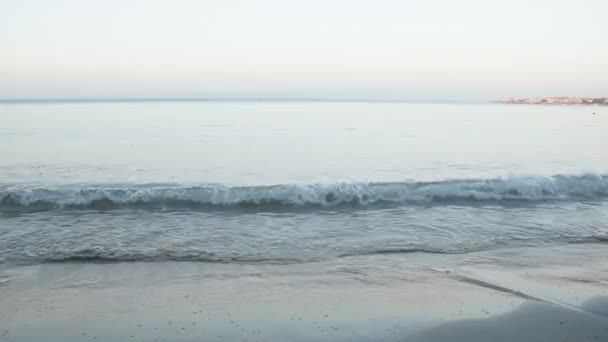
561 100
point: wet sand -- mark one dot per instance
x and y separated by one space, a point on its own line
524 294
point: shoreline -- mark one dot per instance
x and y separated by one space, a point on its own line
499 295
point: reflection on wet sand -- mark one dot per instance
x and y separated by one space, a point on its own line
531 322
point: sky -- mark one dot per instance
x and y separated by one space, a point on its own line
465 50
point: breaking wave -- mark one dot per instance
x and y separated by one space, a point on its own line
162 196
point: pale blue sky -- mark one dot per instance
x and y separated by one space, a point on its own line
367 49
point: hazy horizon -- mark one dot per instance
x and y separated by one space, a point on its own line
238 99
435 50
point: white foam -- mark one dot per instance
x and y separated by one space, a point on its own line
511 188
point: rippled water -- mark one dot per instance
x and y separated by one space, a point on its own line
284 182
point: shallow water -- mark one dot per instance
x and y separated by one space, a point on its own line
291 182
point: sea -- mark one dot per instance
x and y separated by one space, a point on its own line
292 182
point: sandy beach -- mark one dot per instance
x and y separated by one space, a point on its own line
485 296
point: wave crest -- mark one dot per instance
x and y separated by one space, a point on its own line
511 188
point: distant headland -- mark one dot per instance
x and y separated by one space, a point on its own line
558 100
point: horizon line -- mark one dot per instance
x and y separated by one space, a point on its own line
232 99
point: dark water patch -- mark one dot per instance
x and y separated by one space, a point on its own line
531 322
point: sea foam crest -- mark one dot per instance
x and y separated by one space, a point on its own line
511 188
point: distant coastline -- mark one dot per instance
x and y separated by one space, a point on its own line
563 100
